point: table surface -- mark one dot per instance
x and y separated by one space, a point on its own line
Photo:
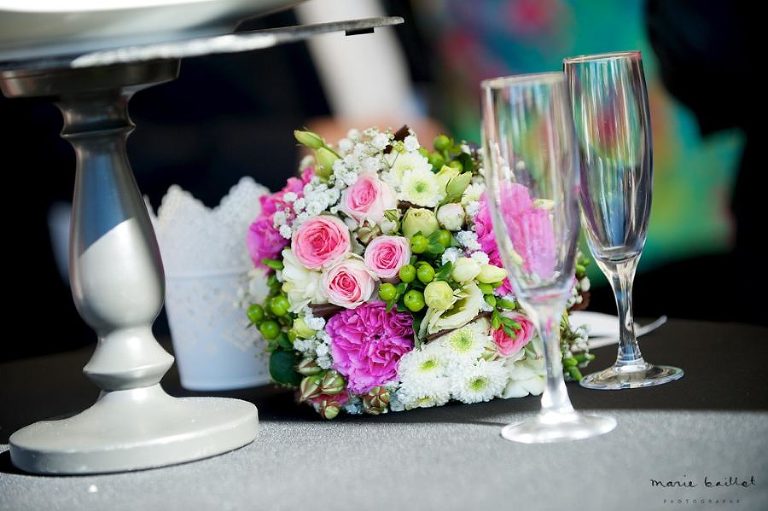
710 427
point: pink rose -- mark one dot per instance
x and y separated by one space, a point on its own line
349 283
385 255
367 344
368 199
264 241
509 345
320 242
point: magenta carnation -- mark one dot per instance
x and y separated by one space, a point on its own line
367 344
264 241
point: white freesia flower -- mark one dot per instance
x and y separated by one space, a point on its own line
420 187
468 305
480 382
302 286
465 269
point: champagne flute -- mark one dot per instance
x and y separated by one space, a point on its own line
613 130
532 178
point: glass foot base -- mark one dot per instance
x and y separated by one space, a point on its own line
631 377
550 427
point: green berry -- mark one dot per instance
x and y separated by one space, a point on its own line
279 305
256 313
387 292
490 300
442 143
436 160
456 164
444 238
425 273
269 330
414 300
419 244
407 273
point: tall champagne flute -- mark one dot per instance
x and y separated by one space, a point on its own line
532 178
613 130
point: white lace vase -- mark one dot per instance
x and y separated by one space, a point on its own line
207 288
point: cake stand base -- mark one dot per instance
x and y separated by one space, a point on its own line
134 429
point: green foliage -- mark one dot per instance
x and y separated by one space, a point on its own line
282 367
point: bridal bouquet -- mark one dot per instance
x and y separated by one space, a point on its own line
387 290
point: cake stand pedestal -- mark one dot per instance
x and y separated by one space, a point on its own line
116 272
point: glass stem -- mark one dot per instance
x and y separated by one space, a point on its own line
622 275
555 399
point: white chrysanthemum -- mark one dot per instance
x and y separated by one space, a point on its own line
302 286
427 362
526 376
421 187
423 392
480 382
467 343
401 163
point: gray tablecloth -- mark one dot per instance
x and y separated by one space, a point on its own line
709 430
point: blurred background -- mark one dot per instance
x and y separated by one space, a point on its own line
233 115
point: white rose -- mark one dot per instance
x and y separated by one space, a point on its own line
302 286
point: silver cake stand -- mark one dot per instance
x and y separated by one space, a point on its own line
115 269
